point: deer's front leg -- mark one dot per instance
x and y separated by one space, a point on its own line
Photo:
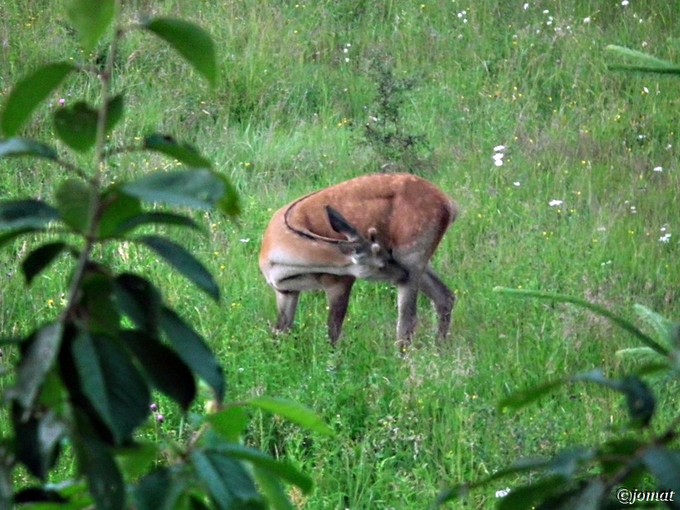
338 290
286 302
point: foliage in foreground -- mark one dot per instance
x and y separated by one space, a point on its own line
600 476
637 467
84 380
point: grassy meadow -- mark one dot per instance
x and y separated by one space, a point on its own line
566 174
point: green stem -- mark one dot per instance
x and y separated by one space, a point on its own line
105 76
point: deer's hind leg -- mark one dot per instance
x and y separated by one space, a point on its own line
442 298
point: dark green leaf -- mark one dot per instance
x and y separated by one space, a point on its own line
37 440
137 460
615 454
566 464
165 369
569 463
190 41
640 399
281 470
527 496
294 412
76 126
196 501
563 466
184 153
522 398
114 111
38 357
193 351
664 464
184 262
586 496
157 218
452 493
40 258
116 210
226 480
26 215
197 189
272 489
230 423
229 204
98 301
6 489
161 489
29 92
74 202
91 19
53 392
112 384
38 495
641 403
619 321
26 147
140 301
523 465
103 476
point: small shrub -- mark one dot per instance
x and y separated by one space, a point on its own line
385 131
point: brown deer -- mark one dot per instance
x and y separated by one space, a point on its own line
376 227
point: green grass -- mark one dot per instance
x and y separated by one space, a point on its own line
287 119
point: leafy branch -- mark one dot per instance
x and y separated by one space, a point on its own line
584 477
84 380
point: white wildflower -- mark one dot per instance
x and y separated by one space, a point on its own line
499 154
555 203
503 492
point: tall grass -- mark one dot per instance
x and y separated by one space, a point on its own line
288 117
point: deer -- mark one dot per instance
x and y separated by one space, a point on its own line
383 227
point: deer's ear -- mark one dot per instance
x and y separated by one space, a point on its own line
340 224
